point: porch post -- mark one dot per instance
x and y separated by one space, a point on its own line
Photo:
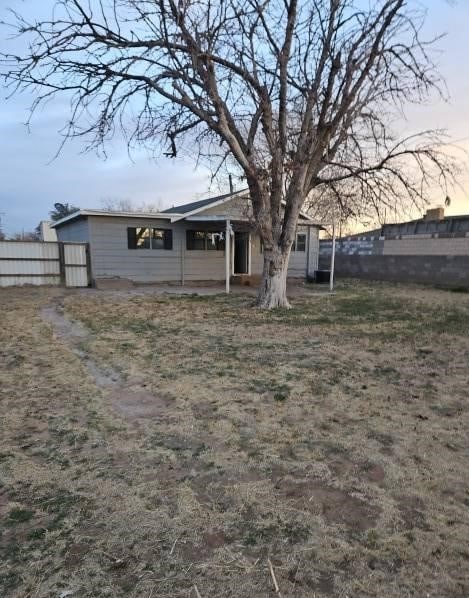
331 280
227 254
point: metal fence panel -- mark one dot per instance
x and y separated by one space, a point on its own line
16 281
27 249
31 267
76 271
39 263
75 254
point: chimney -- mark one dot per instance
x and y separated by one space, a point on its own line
435 214
230 178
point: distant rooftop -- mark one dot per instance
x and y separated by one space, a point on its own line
433 222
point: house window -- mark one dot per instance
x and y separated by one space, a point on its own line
139 238
195 239
204 241
162 238
149 238
215 242
299 244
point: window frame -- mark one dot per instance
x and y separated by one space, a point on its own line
205 237
167 238
295 243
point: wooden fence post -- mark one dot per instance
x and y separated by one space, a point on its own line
62 263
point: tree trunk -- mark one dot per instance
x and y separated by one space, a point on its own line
273 288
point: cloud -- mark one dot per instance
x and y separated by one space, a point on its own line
30 183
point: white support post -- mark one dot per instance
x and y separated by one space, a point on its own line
331 280
227 255
183 265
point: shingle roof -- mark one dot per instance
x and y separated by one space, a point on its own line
196 205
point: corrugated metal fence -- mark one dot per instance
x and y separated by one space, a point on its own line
39 263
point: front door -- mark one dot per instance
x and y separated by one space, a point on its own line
241 253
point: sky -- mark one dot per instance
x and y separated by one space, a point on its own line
31 180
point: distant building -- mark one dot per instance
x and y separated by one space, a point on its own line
433 223
47 233
433 250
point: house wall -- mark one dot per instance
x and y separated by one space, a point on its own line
239 209
236 209
299 261
74 232
110 256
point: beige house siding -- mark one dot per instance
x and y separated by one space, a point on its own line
111 257
298 259
235 209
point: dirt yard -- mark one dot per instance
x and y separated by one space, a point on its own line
192 446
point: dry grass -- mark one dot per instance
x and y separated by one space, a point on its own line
194 446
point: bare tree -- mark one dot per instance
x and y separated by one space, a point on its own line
25 236
298 94
115 204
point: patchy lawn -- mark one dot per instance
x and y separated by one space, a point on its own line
153 444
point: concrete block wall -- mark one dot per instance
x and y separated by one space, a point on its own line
431 259
434 269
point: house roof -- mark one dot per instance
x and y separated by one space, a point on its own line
192 209
173 214
202 203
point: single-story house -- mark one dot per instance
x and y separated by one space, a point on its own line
184 243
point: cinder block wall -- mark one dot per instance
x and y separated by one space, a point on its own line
420 259
434 269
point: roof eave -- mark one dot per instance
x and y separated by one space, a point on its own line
86 213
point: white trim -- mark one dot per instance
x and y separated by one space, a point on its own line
83 213
208 218
227 255
331 279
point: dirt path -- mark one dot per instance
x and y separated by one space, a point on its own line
128 396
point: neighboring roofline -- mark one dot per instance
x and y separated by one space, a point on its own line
424 219
85 213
